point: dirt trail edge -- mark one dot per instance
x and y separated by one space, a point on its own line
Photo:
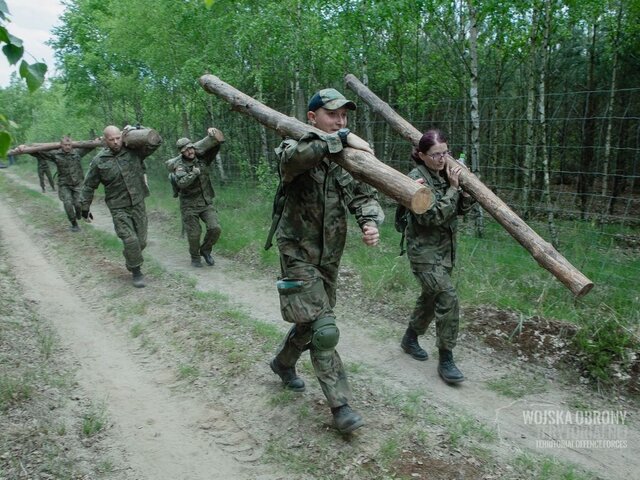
157 429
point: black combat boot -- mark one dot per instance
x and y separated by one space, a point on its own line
74 226
288 376
137 277
345 419
208 258
196 262
411 346
447 368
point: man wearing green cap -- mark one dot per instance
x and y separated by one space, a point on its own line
191 176
311 234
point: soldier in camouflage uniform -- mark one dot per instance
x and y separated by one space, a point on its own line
311 235
431 248
70 176
190 175
122 172
44 170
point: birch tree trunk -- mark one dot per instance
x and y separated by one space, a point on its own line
222 175
368 127
386 150
588 130
299 106
264 147
612 99
529 155
474 113
553 232
184 114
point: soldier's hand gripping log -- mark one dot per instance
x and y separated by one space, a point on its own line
360 164
543 252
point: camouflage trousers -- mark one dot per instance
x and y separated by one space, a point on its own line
438 301
43 169
70 197
191 217
315 300
130 224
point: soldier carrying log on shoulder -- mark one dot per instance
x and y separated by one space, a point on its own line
191 179
121 170
70 175
311 234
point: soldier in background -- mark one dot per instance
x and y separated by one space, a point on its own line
44 170
70 176
311 230
122 172
191 178
431 248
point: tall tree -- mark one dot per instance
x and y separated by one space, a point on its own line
547 17
528 170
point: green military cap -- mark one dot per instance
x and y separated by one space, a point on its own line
331 99
183 143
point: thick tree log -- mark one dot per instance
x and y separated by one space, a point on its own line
543 252
360 164
43 147
140 138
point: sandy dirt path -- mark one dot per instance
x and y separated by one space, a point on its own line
158 431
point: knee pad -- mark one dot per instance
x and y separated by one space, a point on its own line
325 334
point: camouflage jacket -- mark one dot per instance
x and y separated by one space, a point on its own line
318 193
431 236
195 190
69 164
123 177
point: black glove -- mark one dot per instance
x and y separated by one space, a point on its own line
86 214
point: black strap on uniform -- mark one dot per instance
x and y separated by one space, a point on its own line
402 249
278 207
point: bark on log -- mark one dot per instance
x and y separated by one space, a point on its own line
360 164
43 147
543 252
137 139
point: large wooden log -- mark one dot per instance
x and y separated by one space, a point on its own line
543 252
360 164
44 147
141 138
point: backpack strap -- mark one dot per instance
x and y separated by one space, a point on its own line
403 250
278 207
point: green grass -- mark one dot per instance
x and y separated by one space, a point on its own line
545 468
14 391
464 427
94 421
136 329
188 372
283 397
517 385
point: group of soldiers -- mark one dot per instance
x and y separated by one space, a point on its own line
310 226
121 170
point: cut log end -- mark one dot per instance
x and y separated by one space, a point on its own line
421 201
582 291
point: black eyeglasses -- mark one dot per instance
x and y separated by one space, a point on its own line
439 155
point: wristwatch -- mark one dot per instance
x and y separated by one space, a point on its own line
342 134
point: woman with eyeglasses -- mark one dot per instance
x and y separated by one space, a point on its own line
431 248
